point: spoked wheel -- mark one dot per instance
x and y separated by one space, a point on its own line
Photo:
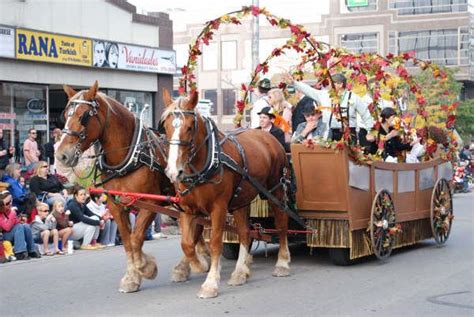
441 211
382 225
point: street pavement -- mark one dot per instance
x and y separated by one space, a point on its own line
423 280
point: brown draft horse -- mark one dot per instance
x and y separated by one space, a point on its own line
92 116
188 152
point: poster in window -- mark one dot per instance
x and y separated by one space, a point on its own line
7 42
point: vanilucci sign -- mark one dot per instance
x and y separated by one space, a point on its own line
56 48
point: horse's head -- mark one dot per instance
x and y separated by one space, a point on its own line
83 124
179 123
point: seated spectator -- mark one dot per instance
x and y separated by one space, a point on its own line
392 141
46 186
64 225
86 224
312 128
97 206
11 176
266 119
14 231
44 229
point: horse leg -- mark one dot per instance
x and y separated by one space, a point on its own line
194 250
210 287
144 263
132 279
282 267
242 267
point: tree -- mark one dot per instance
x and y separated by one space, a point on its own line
465 120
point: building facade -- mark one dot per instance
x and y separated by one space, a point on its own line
45 44
441 31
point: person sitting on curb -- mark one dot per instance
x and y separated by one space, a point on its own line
312 128
86 225
14 231
266 124
44 229
64 224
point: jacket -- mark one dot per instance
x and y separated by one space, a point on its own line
38 225
7 222
39 185
318 131
5 159
18 192
61 219
80 213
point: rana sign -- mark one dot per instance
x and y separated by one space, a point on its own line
53 48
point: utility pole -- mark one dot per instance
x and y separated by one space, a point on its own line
255 43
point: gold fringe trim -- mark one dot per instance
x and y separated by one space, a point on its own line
335 234
228 237
259 208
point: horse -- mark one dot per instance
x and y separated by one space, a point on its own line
196 151
95 118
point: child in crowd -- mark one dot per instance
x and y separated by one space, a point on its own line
97 206
64 225
43 229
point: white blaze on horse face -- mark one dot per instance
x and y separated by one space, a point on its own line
172 168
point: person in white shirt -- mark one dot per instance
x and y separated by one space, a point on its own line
263 88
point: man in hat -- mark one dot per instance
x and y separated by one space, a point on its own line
263 88
313 126
266 118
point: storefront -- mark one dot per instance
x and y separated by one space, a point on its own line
35 62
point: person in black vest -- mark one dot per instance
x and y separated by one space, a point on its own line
5 152
266 124
298 116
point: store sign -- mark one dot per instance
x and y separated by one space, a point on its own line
7 42
7 126
357 3
47 47
135 58
36 105
7 115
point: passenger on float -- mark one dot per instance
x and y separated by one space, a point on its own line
350 103
313 127
282 110
266 119
263 87
392 142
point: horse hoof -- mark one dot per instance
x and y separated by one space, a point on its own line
150 271
180 274
237 278
281 271
208 292
128 287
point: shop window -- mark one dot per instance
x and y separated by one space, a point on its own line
23 107
135 102
412 7
360 42
211 94
228 96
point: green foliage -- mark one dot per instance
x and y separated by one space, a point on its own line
435 92
465 120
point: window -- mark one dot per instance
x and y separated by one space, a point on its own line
229 54
181 56
209 56
440 46
359 42
412 7
229 101
211 94
135 101
355 5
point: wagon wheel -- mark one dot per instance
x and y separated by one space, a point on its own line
441 211
382 220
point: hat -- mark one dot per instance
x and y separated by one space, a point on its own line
309 109
268 111
265 84
339 78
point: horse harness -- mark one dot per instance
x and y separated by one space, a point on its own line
217 159
140 152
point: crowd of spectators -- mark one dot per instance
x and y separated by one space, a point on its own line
41 212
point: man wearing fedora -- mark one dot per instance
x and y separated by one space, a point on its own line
263 88
266 118
313 126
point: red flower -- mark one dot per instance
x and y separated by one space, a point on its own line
184 70
389 56
276 52
181 90
450 122
215 24
255 10
408 55
235 21
258 68
282 85
273 22
240 105
295 29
